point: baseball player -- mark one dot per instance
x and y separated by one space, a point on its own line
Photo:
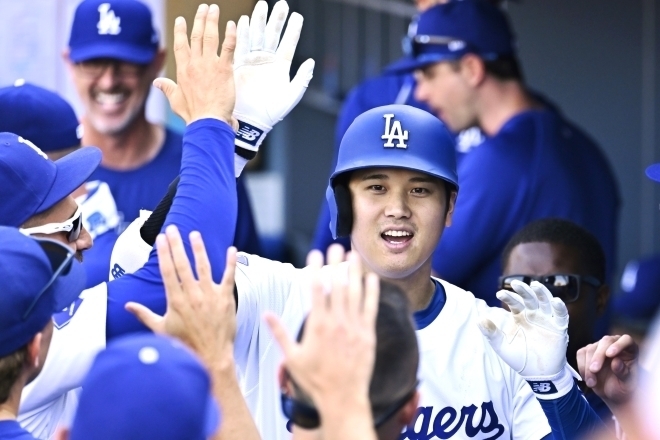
47 120
204 98
393 191
39 278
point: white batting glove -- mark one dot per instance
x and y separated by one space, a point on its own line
533 337
264 92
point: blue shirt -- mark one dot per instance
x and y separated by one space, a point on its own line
143 188
205 201
538 165
11 430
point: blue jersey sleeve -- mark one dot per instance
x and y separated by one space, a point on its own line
205 201
570 417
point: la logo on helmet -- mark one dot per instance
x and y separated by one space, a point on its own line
394 131
108 22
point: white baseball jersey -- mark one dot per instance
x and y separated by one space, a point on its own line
79 334
467 391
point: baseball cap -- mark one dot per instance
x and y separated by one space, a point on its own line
639 298
449 31
39 115
31 183
27 266
118 29
653 172
146 386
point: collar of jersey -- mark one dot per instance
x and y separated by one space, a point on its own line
426 316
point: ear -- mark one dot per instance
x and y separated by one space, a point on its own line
67 61
409 411
283 379
473 69
602 297
33 350
158 62
450 208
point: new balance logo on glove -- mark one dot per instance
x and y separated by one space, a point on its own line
543 387
248 133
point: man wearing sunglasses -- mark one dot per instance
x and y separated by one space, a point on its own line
532 164
40 277
570 262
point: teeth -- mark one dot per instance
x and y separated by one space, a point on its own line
109 98
397 233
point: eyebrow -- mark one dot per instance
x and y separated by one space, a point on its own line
416 179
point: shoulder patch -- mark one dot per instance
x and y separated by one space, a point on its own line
62 318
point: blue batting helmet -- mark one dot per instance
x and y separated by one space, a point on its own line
393 136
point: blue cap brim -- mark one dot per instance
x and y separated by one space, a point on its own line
653 172
115 50
67 288
72 171
410 64
212 420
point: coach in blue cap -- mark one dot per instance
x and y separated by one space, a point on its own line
39 278
533 163
113 58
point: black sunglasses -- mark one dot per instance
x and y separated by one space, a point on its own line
307 417
563 286
60 258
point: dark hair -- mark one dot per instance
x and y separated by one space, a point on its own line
397 353
11 367
504 68
564 232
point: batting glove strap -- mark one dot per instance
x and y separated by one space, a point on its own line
553 387
249 137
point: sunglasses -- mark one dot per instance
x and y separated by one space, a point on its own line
72 227
60 258
307 417
563 286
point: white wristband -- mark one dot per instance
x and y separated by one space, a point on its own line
553 387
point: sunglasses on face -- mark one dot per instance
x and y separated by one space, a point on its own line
307 417
563 286
60 257
96 67
72 227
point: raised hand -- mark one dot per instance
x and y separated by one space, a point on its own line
609 368
264 92
205 81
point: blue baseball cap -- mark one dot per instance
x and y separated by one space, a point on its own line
39 115
31 183
118 29
448 31
146 386
639 298
653 172
27 301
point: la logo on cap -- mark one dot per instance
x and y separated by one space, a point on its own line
394 131
108 22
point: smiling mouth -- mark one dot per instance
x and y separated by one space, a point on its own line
110 98
397 237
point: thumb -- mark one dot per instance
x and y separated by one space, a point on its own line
494 335
296 88
153 321
165 85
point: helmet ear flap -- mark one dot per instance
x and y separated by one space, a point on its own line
344 210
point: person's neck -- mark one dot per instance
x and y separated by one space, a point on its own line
500 101
9 408
133 147
418 287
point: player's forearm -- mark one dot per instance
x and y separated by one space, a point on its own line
237 422
347 420
571 416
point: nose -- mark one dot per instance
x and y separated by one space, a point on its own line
397 207
420 88
108 78
84 241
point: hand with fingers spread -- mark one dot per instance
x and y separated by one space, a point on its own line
264 92
334 361
200 313
609 367
205 81
533 338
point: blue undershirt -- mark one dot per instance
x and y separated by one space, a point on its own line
205 201
11 430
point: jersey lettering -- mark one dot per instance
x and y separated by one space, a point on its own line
448 422
394 131
108 22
